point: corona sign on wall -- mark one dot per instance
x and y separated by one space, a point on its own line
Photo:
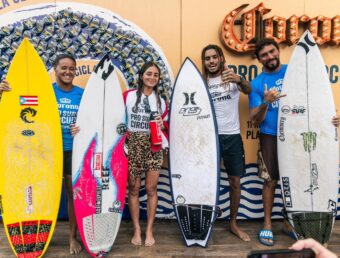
166 32
283 30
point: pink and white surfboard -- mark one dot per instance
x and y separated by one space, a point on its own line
99 165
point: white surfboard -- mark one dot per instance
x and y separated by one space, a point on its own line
99 166
194 156
308 143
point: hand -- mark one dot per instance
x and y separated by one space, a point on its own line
74 129
159 121
336 121
4 86
319 250
271 95
229 76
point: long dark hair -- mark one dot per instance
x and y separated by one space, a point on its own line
220 54
140 85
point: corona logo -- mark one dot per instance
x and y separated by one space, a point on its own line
282 30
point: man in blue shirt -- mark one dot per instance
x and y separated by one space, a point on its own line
264 104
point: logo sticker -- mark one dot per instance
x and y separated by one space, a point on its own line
332 206
282 129
178 176
28 100
27 114
314 179
121 129
298 110
285 109
29 199
286 192
180 199
309 141
115 206
27 133
97 164
190 110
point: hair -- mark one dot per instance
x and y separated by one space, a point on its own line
264 42
140 85
63 56
218 51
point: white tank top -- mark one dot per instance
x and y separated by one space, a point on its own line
226 100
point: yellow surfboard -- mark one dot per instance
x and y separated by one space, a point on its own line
30 155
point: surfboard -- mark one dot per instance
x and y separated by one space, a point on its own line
308 143
193 156
99 165
30 155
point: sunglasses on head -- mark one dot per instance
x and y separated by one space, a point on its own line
146 105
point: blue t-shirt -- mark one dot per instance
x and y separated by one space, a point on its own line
273 80
68 105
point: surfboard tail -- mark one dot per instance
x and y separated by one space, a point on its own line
196 222
316 225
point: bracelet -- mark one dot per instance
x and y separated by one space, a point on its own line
265 103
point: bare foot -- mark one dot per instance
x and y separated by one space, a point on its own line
149 240
239 233
136 239
75 246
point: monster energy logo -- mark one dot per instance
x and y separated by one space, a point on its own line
309 141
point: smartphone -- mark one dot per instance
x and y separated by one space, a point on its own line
282 253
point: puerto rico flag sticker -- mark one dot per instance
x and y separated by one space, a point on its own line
28 100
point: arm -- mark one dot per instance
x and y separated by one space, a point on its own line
258 114
244 85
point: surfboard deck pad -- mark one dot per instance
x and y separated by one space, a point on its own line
195 220
317 225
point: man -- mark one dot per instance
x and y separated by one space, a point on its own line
66 93
263 102
225 86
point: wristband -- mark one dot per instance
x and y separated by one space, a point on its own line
265 103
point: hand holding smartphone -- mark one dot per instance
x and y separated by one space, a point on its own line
282 253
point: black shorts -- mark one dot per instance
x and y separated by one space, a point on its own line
268 145
232 153
67 165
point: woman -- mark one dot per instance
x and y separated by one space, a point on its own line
143 156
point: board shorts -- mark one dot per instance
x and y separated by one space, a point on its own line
268 145
67 163
141 159
232 153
